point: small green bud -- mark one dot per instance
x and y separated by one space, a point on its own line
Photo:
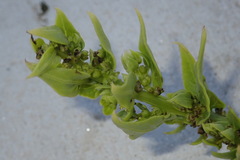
143 69
55 45
63 48
146 81
145 113
109 104
96 74
106 65
149 89
101 53
113 77
84 52
84 55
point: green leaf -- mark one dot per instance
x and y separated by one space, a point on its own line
188 70
226 155
177 130
182 98
130 61
201 51
125 93
219 119
103 39
193 78
233 119
238 152
70 32
147 54
209 128
218 126
215 102
202 92
89 90
199 140
64 81
52 33
136 129
63 23
109 104
229 134
38 43
48 61
212 142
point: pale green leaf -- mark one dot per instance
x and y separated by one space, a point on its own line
48 61
199 140
201 51
177 130
212 142
52 33
147 54
233 119
130 61
182 98
215 102
66 82
38 43
209 128
225 155
89 90
125 93
219 119
188 70
136 129
238 152
63 23
229 134
218 126
193 79
202 92
102 38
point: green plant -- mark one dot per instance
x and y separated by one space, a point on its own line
134 99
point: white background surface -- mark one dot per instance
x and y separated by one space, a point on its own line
38 124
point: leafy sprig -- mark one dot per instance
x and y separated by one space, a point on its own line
134 101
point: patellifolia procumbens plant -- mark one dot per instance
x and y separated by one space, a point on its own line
134 99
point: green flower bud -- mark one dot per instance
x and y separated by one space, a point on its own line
84 52
101 53
84 55
109 104
146 81
149 89
63 48
145 113
143 69
96 74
